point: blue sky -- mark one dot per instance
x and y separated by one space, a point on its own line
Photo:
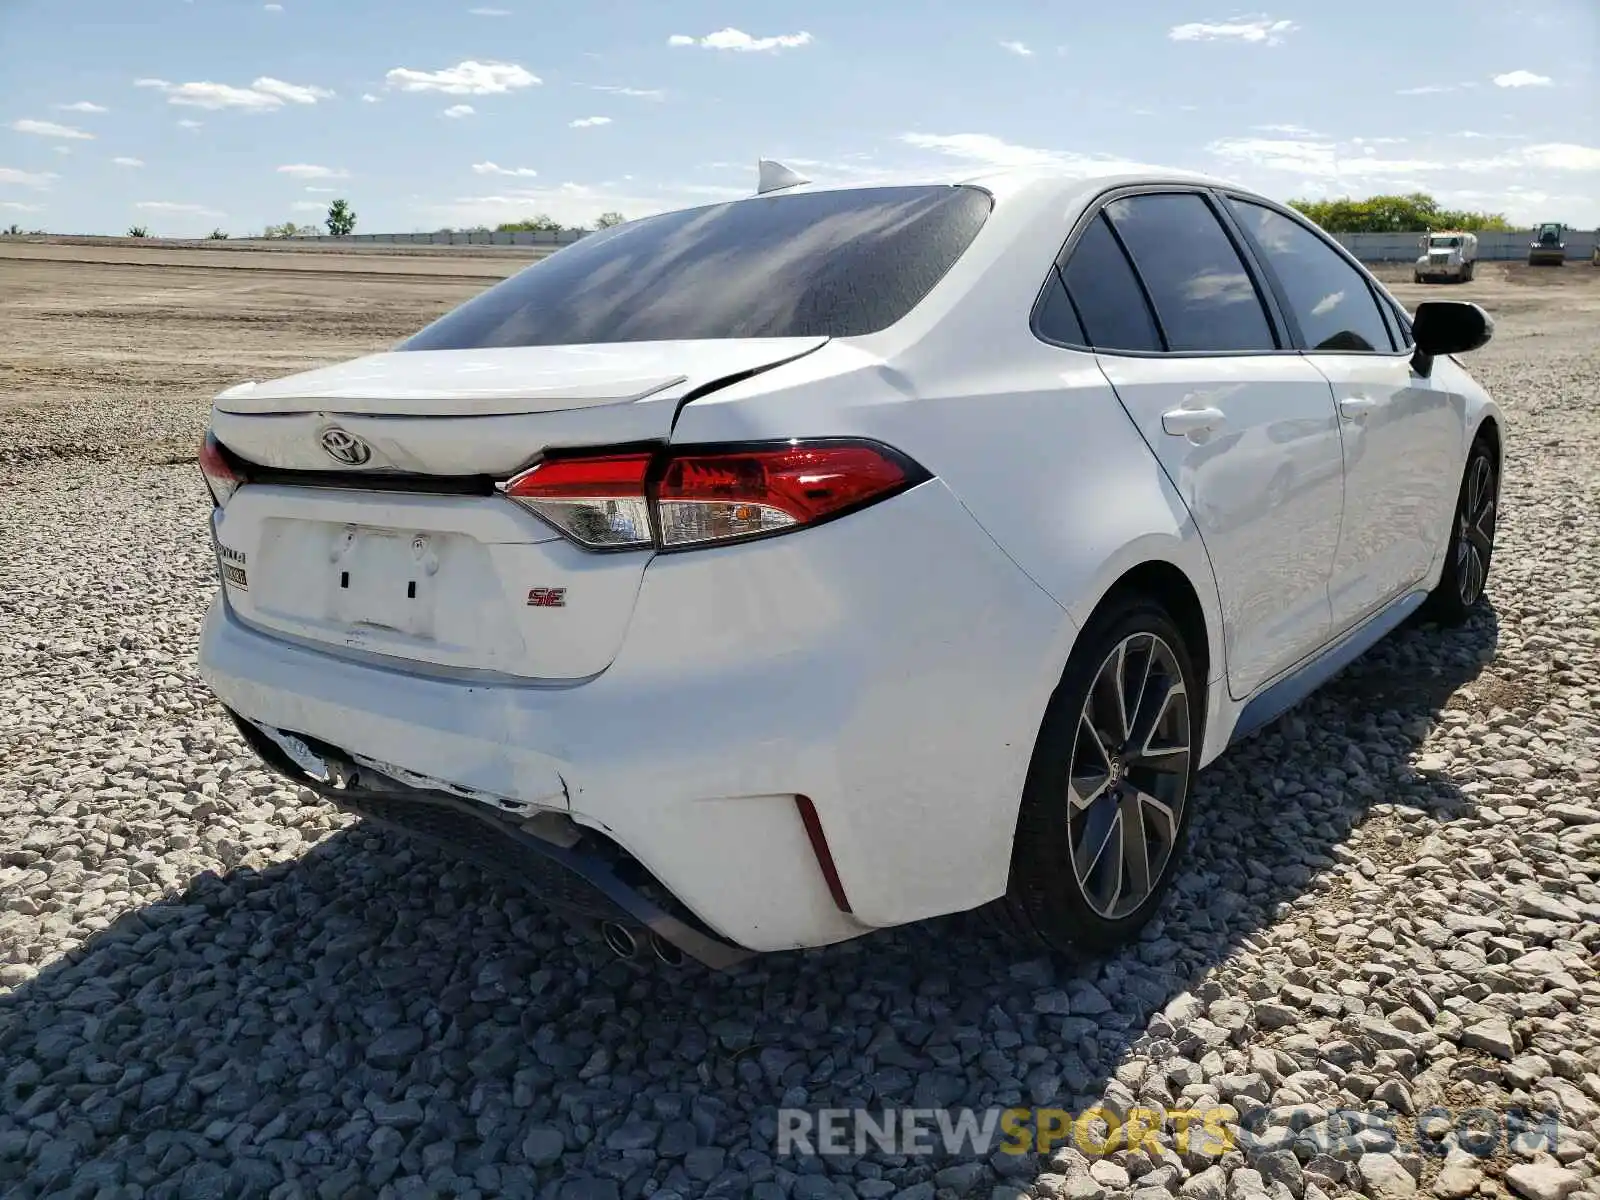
188 114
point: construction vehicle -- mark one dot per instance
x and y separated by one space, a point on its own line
1446 256
1547 249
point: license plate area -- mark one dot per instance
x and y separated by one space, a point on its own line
385 579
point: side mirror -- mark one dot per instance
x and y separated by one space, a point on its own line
1450 327
1447 327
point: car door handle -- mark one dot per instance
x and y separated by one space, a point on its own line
1356 408
1180 422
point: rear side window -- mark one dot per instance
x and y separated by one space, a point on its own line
834 264
1107 294
1203 295
1329 298
1057 322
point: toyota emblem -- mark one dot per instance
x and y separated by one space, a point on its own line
345 446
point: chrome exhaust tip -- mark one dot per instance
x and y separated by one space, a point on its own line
665 951
619 939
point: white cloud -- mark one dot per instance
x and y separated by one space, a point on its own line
83 106
273 8
1261 30
636 93
51 129
1427 89
311 171
457 111
588 122
489 12
986 150
170 206
187 124
63 149
264 95
1521 79
128 162
1563 156
16 206
295 93
464 79
329 191
1297 130
309 206
1018 48
737 39
368 98
489 168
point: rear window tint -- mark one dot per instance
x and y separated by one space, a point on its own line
835 264
1106 293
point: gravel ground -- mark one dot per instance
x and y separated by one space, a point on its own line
212 985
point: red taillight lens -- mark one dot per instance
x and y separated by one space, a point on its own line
743 493
703 497
220 476
597 502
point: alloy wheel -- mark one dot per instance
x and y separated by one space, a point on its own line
1129 776
1475 535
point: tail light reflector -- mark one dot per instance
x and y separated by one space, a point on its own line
680 498
220 475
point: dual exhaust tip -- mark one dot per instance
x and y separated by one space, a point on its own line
625 944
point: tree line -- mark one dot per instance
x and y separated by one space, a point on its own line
1417 212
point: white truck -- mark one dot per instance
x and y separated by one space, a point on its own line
1446 256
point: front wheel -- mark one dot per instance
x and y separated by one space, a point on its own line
1105 811
1466 567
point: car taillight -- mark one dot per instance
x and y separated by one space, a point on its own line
220 476
708 496
598 502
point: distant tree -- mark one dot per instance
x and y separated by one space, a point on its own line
607 219
341 220
1417 212
541 223
139 231
217 235
289 229
13 229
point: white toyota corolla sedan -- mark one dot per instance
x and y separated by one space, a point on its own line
758 575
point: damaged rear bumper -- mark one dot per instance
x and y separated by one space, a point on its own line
580 874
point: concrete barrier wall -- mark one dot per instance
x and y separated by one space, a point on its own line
459 237
1402 247
1368 247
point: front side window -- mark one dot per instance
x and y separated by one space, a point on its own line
1203 295
1330 299
831 263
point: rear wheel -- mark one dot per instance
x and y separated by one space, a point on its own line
1466 568
1105 811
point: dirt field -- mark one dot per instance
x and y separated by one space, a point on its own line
117 350
213 984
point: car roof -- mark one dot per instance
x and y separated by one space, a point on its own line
1069 183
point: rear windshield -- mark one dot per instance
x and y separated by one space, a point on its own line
837 263
1446 243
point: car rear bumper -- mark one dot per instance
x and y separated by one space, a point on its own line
892 667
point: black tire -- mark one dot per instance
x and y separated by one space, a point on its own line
1466 565
1046 901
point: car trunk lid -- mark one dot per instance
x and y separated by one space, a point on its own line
373 528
